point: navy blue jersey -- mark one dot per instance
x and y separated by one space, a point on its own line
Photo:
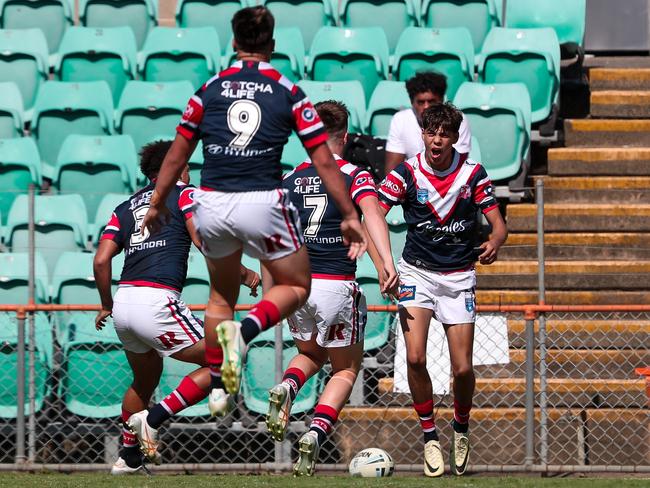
320 219
244 115
158 260
439 209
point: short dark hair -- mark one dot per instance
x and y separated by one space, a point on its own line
252 29
442 116
152 156
425 81
334 115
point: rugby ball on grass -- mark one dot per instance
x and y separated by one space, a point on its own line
372 463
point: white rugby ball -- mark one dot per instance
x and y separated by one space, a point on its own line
372 463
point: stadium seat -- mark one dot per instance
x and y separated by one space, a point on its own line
209 13
447 51
173 372
397 229
11 110
24 60
104 210
176 54
94 54
528 56
64 108
479 16
197 283
149 109
349 92
9 362
379 323
61 225
95 165
52 17
20 166
196 164
342 54
393 16
387 98
307 15
500 118
475 152
568 18
293 153
140 15
14 276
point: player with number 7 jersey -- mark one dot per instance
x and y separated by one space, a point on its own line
244 116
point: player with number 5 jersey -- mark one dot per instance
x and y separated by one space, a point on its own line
244 116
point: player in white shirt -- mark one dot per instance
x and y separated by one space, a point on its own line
405 133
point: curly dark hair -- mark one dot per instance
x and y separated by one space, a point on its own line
425 81
152 156
334 115
442 116
252 29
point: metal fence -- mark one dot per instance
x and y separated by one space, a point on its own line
556 391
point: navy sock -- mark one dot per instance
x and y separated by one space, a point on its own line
249 329
431 436
460 428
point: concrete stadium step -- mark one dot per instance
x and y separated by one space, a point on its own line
580 217
599 161
509 296
607 133
567 275
594 189
625 104
574 363
397 430
578 247
632 79
594 332
562 392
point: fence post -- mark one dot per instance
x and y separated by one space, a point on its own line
20 389
31 287
541 270
31 424
504 6
530 388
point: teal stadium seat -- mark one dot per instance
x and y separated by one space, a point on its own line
500 118
140 15
393 16
196 164
176 54
479 16
567 17
387 98
448 51
94 54
11 111
528 56
24 60
307 15
475 151
63 108
349 92
105 208
293 153
9 362
14 277
20 166
209 13
196 289
149 109
95 165
379 324
173 372
73 281
397 229
61 225
342 54
52 17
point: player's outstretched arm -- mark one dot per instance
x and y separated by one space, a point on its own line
497 237
102 270
331 176
177 157
375 219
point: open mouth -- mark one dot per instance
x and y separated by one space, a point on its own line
436 153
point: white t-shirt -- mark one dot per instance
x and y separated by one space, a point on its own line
405 135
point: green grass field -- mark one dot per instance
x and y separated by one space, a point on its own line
269 481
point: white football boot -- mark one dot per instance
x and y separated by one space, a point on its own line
277 419
234 351
307 454
147 436
220 403
434 464
459 453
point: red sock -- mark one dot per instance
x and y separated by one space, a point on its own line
128 439
427 422
262 316
295 378
461 412
186 394
214 359
323 422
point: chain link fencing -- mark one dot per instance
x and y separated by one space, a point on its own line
587 408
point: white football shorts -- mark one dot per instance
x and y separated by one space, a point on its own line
335 311
264 223
148 318
451 296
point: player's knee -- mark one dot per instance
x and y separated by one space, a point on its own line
416 361
463 372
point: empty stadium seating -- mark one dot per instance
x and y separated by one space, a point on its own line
379 324
20 166
293 153
11 111
349 92
105 208
307 15
208 13
196 163
14 277
387 98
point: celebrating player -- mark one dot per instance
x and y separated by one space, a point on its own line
331 324
244 116
440 191
150 318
